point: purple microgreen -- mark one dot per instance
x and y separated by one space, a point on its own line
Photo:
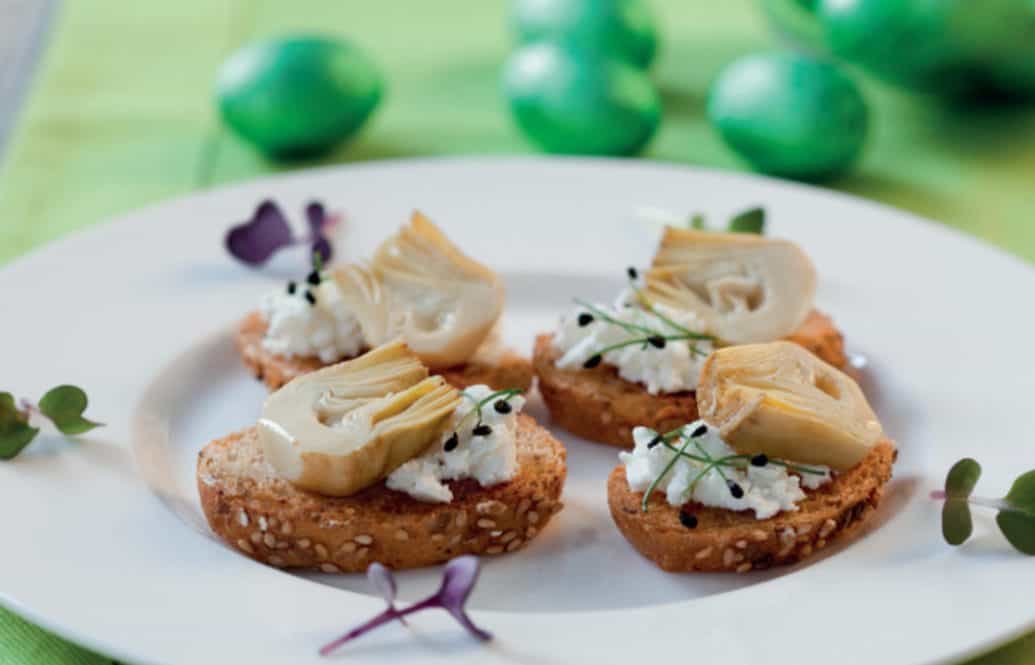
458 580
253 242
1016 516
63 406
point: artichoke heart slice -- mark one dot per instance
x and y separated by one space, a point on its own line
781 400
442 303
365 297
745 288
345 427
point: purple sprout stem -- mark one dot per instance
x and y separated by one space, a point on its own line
938 495
997 504
384 617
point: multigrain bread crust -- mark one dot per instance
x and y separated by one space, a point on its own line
598 405
728 541
272 521
507 370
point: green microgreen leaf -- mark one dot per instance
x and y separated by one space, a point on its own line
15 431
64 406
1017 518
749 221
962 477
956 522
696 221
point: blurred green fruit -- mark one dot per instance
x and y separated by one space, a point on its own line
956 47
621 28
571 100
297 97
789 114
796 20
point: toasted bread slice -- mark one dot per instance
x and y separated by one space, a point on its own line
734 541
272 521
598 405
500 370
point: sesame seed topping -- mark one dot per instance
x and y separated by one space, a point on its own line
314 278
531 531
727 557
269 540
461 520
688 520
245 545
632 272
286 528
329 568
585 319
309 297
742 544
482 430
256 537
508 536
438 538
699 431
759 535
657 341
275 561
496 534
513 545
347 548
705 553
736 490
321 551
502 406
486 523
759 460
523 506
827 527
744 567
242 517
491 507
291 288
495 549
533 517
402 535
303 544
451 443
362 552
806 550
821 543
364 539
592 361
263 524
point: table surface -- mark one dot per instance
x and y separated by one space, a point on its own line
112 124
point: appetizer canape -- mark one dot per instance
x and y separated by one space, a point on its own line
373 460
418 287
787 456
608 369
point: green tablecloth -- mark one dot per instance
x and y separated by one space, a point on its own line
121 116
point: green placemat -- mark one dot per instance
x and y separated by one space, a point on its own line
121 116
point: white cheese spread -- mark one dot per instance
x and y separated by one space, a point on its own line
767 489
325 328
490 458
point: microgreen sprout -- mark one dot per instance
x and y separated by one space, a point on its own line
253 242
751 220
1016 516
458 580
736 462
63 406
500 401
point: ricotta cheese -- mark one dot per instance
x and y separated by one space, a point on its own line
490 459
326 329
767 489
674 368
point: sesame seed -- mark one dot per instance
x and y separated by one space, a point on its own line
263 524
451 443
286 528
655 441
688 520
490 507
585 319
657 341
785 550
705 553
759 535
827 527
283 545
303 544
531 531
309 297
454 541
787 536
742 544
362 552
321 551
269 540
533 517
744 567
461 520
736 490
256 537
402 535
699 431
737 558
495 534
364 539
313 278
242 517
348 548
821 543
275 561
806 550
482 430
523 506
438 539
329 568
486 523
291 287
727 557
804 530
759 460
495 549
632 272
245 545
593 361
508 536
502 406
513 545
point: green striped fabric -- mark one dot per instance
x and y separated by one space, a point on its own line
121 115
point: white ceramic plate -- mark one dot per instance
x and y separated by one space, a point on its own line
104 541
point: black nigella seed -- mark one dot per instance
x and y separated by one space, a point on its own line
502 406
657 341
313 278
291 288
631 272
736 490
701 429
452 442
482 430
655 441
759 460
688 520
593 361
310 298
585 319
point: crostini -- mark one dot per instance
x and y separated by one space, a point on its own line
374 459
787 457
608 369
418 287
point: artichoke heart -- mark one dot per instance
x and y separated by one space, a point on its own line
781 400
745 288
442 303
343 428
